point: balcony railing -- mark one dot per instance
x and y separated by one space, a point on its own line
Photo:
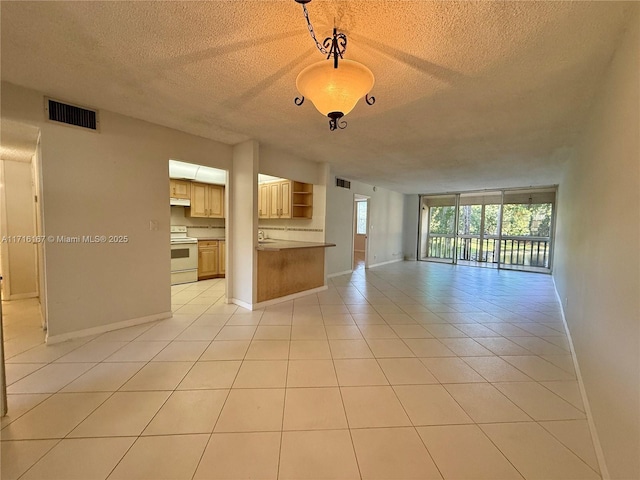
515 250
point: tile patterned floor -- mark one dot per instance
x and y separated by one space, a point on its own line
407 371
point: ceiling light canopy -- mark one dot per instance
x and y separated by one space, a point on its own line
334 87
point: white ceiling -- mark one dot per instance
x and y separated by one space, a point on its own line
469 94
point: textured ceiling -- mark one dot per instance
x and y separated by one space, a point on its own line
469 94
19 141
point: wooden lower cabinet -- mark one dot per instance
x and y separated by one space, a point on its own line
222 258
211 259
284 272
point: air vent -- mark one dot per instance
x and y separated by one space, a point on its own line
72 115
341 182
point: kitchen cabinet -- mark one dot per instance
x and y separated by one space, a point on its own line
207 201
211 259
208 259
263 200
180 189
285 199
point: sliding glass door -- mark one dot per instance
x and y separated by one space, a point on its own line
527 227
438 228
478 220
511 229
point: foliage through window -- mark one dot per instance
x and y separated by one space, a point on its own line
361 217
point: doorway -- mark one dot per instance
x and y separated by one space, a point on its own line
360 232
199 207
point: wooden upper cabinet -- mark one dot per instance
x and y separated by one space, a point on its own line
263 200
179 189
275 200
199 200
285 199
207 201
216 201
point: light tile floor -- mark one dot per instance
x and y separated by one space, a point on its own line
411 370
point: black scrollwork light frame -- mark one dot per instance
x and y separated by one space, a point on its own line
333 46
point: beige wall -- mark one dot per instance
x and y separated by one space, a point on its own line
386 210
597 263
20 262
89 180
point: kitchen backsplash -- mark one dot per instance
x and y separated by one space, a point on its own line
206 232
295 233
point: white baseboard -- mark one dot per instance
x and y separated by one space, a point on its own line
346 272
275 301
21 296
386 263
240 303
602 464
53 339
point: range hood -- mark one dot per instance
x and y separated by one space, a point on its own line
180 202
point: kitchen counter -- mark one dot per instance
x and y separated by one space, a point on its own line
286 267
206 239
274 245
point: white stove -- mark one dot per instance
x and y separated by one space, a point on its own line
184 256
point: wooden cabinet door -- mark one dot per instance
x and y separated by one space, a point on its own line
199 200
274 200
285 199
222 259
216 201
263 201
207 259
180 189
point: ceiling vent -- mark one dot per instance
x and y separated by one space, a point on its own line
341 182
71 114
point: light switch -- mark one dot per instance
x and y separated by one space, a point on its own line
153 225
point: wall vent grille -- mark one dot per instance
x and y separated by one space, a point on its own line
71 115
341 182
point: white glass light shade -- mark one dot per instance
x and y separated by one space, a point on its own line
335 89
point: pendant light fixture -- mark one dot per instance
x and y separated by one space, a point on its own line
334 87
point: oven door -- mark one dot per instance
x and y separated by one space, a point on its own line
184 263
184 256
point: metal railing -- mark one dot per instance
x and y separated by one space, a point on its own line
514 250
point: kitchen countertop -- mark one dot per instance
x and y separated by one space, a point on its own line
273 245
204 239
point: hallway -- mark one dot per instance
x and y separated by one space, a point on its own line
409 370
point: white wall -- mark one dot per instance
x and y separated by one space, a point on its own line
89 180
386 213
20 262
597 262
242 227
277 163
